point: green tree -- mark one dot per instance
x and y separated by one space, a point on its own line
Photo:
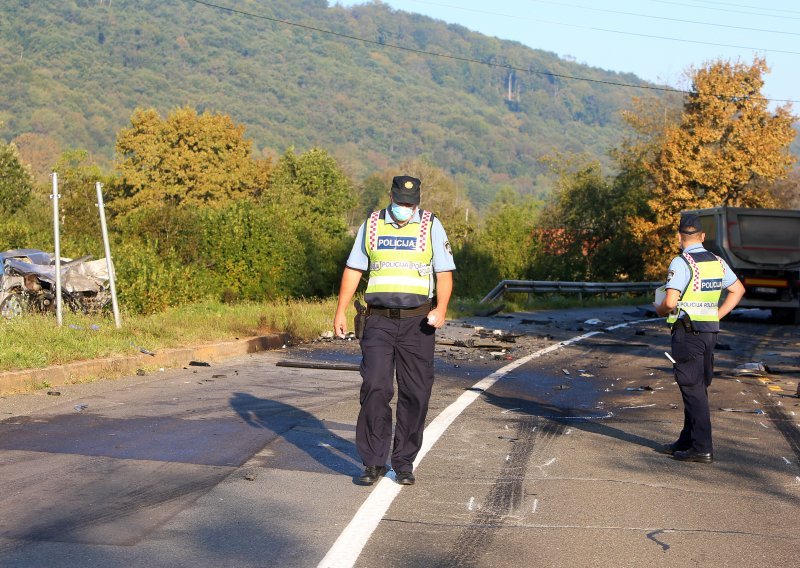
16 181
586 233
312 194
442 195
502 249
77 176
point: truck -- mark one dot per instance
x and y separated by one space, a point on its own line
762 246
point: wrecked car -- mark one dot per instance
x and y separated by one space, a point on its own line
28 283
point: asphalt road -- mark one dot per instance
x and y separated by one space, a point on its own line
251 464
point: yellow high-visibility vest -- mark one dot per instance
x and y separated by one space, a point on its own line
400 269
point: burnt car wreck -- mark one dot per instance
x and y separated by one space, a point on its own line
28 283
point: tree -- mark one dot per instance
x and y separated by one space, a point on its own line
725 148
184 160
77 176
442 195
585 233
40 151
508 231
787 191
313 196
16 181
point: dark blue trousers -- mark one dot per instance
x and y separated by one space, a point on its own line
694 369
389 347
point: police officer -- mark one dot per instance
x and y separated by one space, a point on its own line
695 281
401 247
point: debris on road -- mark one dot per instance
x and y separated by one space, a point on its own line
140 373
80 407
593 321
746 411
320 365
565 371
199 364
754 368
54 393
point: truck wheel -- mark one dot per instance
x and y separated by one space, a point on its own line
786 315
13 306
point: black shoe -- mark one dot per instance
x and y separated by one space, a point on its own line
405 478
692 455
372 473
670 449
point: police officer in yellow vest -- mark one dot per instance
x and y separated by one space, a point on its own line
695 282
401 247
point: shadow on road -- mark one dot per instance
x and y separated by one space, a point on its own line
302 429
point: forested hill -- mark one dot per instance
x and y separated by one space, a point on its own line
74 70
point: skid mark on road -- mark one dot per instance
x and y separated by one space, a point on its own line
347 548
506 495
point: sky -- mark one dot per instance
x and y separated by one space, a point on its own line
658 40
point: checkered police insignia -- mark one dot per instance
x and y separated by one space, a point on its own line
424 227
372 230
695 272
447 248
670 274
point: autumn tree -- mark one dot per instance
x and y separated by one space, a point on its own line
40 151
185 160
725 148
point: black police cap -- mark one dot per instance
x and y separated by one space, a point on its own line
405 189
690 224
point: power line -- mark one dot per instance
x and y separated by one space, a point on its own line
748 6
727 11
463 59
474 10
664 18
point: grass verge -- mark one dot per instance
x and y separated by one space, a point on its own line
36 341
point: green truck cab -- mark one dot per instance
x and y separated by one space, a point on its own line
762 246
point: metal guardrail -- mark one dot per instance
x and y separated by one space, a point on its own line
547 286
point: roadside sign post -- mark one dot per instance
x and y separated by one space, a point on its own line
57 239
109 263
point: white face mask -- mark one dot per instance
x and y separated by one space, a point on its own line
401 213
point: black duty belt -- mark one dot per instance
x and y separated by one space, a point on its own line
400 313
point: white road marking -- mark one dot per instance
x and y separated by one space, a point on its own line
347 548
787 461
535 505
471 503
